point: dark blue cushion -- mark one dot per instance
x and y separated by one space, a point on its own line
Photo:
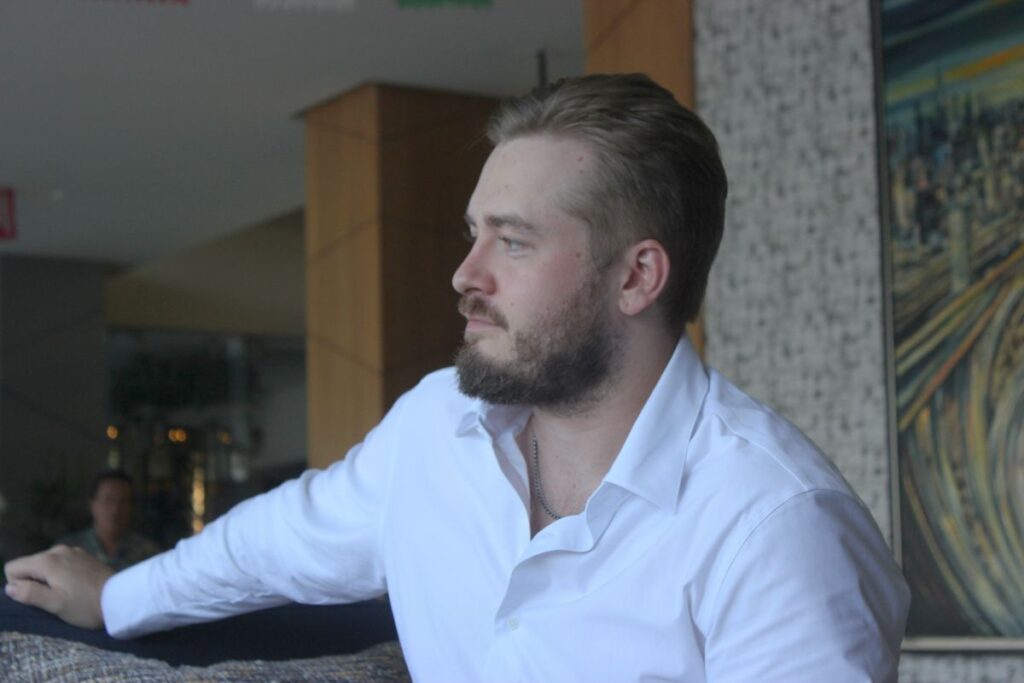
288 632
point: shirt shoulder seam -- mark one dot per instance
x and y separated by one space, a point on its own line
785 503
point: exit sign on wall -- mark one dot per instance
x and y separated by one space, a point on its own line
8 228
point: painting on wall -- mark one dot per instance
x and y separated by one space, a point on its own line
952 104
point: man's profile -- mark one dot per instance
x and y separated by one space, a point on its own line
110 538
579 498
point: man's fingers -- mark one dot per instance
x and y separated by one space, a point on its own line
29 592
29 567
39 567
65 581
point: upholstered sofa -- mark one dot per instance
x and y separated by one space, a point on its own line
341 643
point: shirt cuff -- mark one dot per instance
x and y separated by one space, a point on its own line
126 603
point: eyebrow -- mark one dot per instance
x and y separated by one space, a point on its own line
503 220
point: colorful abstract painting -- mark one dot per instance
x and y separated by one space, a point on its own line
953 89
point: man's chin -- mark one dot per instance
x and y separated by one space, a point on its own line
479 373
485 348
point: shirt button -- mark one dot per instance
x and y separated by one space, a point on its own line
512 623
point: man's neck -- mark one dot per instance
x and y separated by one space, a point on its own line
576 449
108 543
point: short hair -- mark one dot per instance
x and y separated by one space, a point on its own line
108 475
658 175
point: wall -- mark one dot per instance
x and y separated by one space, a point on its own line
794 307
53 381
252 282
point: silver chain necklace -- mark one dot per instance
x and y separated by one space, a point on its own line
538 489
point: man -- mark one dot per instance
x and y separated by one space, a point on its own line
580 499
110 539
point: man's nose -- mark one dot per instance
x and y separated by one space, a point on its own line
473 274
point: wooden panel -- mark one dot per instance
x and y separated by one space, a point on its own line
695 331
355 113
420 317
651 36
343 297
342 186
345 402
405 111
428 175
343 293
600 16
400 378
379 299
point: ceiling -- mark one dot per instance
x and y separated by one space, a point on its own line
131 129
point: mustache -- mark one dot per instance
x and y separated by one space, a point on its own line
478 308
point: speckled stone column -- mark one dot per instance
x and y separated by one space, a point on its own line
794 306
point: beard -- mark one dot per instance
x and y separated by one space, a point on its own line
560 362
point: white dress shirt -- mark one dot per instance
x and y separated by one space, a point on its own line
721 546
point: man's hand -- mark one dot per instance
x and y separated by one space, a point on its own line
65 581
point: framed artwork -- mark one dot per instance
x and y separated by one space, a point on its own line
952 137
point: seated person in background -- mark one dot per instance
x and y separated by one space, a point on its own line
110 539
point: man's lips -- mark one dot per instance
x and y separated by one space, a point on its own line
480 316
474 323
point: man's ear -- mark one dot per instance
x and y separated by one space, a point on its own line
645 269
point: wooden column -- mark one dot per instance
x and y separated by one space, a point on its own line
654 37
388 173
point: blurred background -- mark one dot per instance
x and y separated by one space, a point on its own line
227 229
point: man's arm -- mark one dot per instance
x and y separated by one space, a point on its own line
812 595
65 581
313 540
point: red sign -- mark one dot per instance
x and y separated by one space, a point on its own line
8 228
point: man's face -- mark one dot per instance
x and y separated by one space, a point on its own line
111 508
539 328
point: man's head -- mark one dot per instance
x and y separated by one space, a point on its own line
110 503
595 186
658 174
538 330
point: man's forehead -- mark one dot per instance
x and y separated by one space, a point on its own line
527 176
113 486
545 150
499 220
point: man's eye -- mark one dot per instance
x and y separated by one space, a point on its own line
511 244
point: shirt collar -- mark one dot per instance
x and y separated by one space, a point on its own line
651 461
494 419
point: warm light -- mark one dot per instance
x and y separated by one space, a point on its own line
224 437
177 435
198 497
112 432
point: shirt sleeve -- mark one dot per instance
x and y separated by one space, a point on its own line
812 595
313 540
